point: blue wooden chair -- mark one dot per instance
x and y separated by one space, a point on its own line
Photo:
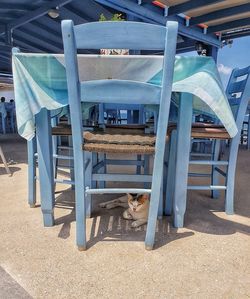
58 130
129 35
238 93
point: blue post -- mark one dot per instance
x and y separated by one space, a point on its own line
182 158
171 175
31 146
45 163
215 174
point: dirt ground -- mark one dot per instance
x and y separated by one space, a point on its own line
208 258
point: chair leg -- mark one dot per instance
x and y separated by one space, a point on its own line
4 162
3 125
32 172
153 209
248 132
88 182
230 180
161 203
215 174
146 169
182 158
102 157
138 167
46 175
80 199
171 175
71 164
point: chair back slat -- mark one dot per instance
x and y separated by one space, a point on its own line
238 93
120 35
120 91
236 87
241 72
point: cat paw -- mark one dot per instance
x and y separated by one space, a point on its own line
136 224
110 206
102 205
126 215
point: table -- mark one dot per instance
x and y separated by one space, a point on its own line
40 85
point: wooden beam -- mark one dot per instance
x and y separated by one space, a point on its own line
41 43
37 13
219 14
229 25
189 5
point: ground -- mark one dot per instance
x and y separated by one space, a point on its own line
208 258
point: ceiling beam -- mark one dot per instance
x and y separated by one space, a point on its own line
189 5
37 13
236 34
26 46
219 14
8 58
149 16
69 15
35 28
16 6
45 44
229 25
90 8
49 24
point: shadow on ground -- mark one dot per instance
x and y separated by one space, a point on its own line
108 225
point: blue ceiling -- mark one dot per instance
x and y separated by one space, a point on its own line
27 25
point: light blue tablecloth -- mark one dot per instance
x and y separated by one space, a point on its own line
40 81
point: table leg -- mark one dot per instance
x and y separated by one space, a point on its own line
45 166
31 144
182 158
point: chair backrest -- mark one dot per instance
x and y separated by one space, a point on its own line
118 35
238 93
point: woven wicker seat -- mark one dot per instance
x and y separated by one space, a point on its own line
62 130
115 139
118 143
202 130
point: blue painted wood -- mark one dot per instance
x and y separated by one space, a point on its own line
109 92
117 190
167 79
119 177
234 146
44 149
182 158
28 17
240 87
145 36
171 174
88 182
76 122
32 148
248 129
215 174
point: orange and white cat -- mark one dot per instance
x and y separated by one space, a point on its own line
137 207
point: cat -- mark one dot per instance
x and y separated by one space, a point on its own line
137 207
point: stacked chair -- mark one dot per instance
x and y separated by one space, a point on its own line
238 93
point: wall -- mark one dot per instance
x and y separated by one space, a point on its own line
7 93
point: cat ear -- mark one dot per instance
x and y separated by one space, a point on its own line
130 197
145 196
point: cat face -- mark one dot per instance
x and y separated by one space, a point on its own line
137 202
